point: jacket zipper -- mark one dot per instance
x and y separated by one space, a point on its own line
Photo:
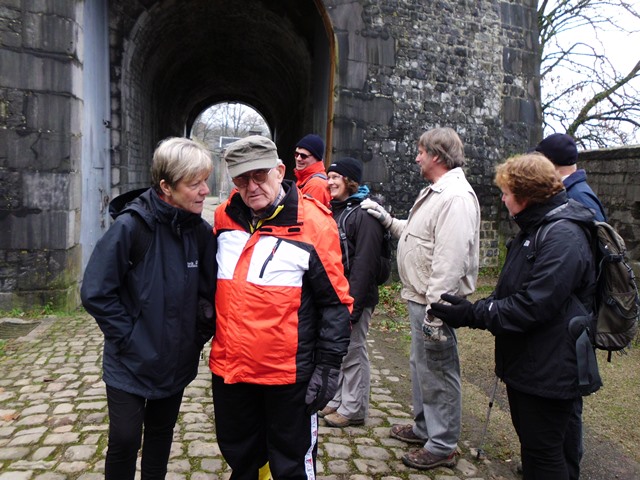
270 257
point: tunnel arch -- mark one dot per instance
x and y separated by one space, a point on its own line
177 58
210 127
90 91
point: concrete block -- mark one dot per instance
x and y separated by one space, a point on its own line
50 33
45 190
37 229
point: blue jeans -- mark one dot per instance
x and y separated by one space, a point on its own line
436 386
127 415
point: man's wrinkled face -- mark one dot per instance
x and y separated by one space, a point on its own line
259 188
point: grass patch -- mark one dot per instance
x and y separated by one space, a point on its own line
612 412
35 312
390 303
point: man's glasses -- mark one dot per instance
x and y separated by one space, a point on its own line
258 177
303 156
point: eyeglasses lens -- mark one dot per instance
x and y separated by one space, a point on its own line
303 156
258 177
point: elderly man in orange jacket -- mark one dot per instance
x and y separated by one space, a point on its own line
283 308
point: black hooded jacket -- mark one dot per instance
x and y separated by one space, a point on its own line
536 296
147 309
361 251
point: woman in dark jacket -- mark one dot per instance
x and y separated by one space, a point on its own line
149 284
539 311
361 244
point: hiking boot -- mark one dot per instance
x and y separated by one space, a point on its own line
327 411
423 459
405 433
340 421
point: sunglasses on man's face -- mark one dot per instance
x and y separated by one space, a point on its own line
258 177
303 156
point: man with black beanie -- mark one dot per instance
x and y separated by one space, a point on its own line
309 171
561 149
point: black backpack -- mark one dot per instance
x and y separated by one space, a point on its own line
617 301
385 253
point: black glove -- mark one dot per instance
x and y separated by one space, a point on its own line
458 314
205 321
322 387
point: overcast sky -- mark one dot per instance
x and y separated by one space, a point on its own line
621 49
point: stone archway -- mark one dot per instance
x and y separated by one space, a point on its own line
177 58
369 76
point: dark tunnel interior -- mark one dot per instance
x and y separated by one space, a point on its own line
272 55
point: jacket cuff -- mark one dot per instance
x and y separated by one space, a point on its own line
330 359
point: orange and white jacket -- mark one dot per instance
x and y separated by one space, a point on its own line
282 300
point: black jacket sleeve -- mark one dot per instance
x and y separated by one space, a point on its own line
102 293
368 234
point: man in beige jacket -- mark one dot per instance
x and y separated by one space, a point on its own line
438 251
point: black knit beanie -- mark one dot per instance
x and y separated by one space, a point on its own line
348 167
560 148
314 144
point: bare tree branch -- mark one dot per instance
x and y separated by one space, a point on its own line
583 93
227 120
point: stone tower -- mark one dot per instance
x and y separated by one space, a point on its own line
87 89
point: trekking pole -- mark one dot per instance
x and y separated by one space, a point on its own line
486 422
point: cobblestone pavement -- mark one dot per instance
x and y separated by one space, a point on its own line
53 418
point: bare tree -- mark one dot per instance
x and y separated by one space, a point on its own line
227 120
582 92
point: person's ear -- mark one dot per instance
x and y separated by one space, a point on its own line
165 188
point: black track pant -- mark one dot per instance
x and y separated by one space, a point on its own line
256 423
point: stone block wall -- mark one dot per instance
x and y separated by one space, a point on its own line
614 175
40 115
131 135
406 67
401 67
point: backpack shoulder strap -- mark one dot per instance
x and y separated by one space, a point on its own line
141 241
540 235
343 217
319 175
343 234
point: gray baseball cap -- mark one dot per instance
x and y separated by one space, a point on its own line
254 152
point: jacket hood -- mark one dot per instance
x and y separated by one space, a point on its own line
306 173
146 203
362 193
117 205
557 207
